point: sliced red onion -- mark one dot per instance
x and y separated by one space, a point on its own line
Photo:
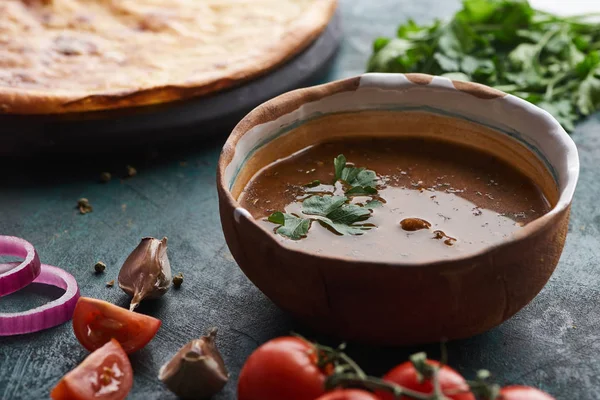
50 314
21 275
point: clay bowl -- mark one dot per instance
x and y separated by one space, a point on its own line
401 303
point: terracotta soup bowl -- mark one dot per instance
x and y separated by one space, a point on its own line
399 303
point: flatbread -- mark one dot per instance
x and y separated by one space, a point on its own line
62 56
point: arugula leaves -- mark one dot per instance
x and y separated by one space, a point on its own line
334 212
551 61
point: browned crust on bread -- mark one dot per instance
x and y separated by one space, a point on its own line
298 36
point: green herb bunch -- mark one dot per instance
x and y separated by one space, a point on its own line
336 213
551 61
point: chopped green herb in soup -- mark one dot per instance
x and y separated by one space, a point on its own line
392 199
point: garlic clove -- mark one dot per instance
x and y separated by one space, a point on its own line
146 273
197 371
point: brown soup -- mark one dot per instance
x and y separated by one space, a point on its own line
433 200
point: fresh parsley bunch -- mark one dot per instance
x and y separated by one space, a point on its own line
551 61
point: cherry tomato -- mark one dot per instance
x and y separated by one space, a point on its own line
96 322
450 381
348 394
523 393
283 368
105 374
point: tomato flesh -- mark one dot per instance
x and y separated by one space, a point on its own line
96 322
283 368
523 393
406 375
105 374
348 394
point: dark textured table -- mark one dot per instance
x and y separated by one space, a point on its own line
554 343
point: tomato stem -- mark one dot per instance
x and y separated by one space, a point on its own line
428 371
444 353
337 357
483 388
437 388
372 383
347 373
353 365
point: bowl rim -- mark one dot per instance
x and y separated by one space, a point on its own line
290 101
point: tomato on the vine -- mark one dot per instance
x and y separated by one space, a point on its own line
523 393
96 322
452 384
283 368
348 394
105 374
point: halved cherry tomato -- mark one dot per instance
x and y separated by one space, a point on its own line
283 368
348 394
523 393
96 322
105 374
451 382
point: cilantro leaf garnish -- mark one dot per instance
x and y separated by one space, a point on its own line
313 184
334 209
277 218
344 229
291 226
361 191
349 214
371 204
322 205
339 163
550 61
362 181
359 177
333 212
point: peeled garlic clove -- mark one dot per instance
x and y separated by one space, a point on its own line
146 274
197 371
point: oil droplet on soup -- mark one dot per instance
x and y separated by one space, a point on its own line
441 200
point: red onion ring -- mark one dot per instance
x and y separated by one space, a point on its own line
24 273
51 314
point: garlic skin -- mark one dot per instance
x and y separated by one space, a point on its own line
146 273
197 371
